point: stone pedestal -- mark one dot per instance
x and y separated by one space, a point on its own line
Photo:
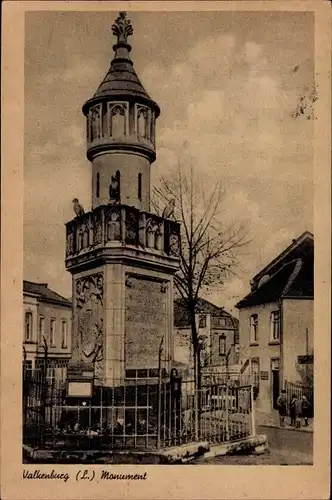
122 293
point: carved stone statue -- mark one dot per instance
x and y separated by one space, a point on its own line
114 189
113 225
70 244
169 209
131 228
122 28
151 228
77 207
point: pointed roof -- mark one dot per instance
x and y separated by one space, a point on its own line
121 80
44 293
300 246
289 275
295 280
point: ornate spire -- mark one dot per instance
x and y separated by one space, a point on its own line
122 28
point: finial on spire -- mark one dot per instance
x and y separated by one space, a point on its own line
122 28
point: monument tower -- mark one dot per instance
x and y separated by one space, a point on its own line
121 256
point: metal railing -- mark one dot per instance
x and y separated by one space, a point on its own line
139 414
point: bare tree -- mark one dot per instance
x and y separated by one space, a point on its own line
208 248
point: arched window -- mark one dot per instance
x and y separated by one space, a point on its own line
142 123
118 124
98 185
95 124
139 187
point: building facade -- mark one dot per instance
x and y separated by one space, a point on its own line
47 330
218 331
121 256
276 322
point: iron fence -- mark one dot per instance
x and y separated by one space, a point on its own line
148 413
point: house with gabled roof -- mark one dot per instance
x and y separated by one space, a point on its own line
276 322
47 330
217 329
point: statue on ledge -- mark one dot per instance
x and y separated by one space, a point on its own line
114 189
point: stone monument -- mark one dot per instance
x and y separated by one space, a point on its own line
121 256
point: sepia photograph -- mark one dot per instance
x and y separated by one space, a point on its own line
169 193
169 307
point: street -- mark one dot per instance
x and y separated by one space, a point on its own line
286 447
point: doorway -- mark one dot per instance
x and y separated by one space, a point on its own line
275 382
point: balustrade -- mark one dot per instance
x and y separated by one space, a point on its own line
126 225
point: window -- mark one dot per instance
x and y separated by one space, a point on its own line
27 365
28 326
142 123
40 364
98 185
254 328
41 328
275 326
64 333
222 345
63 374
236 336
95 124
140 187
202 321
27 368
52 332
50 374
221 321
118 121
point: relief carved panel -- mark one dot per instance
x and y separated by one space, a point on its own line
88 304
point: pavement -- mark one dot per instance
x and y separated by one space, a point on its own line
272 420
285 447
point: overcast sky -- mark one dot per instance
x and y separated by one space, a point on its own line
227 84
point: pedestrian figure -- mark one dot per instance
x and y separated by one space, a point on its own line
305 410
298 412
292 410
282 407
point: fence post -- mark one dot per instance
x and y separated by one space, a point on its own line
159 393
196 397
253 413
227 411
159 411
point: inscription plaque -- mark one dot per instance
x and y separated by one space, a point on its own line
146 318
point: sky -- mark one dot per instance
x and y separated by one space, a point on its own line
227 83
